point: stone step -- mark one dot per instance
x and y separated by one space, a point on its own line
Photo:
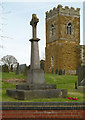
35 94
36 86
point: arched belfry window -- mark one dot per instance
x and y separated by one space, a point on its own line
52 61
52 29
69 28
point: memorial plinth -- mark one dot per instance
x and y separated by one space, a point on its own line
35 86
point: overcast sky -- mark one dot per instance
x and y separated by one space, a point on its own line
16 18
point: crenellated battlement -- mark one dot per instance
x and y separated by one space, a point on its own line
64 11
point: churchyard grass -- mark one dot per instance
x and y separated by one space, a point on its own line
61 81
11 75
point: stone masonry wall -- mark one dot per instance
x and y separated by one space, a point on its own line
65 54
59 44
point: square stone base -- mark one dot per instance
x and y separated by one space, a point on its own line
35 76
35 94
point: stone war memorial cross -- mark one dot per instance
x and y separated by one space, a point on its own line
35 86
35 74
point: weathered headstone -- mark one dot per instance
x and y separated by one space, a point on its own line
5 68
11 69
81 74
56 71
42 64
75 84
81 70
81 78
17 69
60 72
64 72
22 68
36 86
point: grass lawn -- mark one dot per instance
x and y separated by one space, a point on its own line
11 75
61 81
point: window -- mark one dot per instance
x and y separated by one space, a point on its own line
52 29
69 28
52 61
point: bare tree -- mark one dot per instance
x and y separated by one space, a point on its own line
9 60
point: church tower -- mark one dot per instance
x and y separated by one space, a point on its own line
62 39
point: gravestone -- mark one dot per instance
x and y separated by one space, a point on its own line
81 74
75 84
5 68
11 69
56 71
42 64
22 68
81 78
64 72
81 70
35 86
60 72
17 69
